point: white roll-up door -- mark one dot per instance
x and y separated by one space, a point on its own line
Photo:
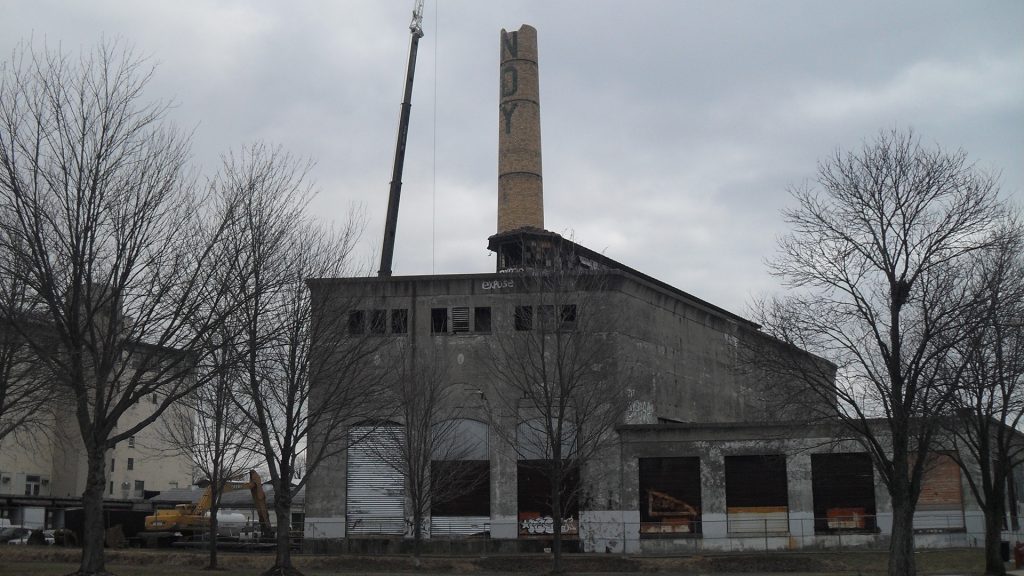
376 491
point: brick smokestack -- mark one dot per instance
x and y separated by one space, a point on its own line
520 185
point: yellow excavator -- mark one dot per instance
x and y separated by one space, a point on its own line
189 519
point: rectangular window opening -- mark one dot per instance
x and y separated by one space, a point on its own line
843 488
399 321
669 497
546 316
131 463
756 494
378 321
356 322
438 320
524 318
460 319
482 319
567 317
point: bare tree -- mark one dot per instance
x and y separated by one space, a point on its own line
875 260
277 247
428 448
26 387
103 229
212 431
556 395
988 386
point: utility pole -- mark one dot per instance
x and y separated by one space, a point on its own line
390 225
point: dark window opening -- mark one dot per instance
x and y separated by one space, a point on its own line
131 463
460 319
378 321
112 464
400 321
534 499
467 489
482 319
843 486
567 317
356 322
546 316
512 255
439 320
756 494
670 496
524 318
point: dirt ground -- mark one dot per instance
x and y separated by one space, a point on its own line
46 561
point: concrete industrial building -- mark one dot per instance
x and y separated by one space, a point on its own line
706 457
42 476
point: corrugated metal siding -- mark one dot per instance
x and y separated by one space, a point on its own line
459 525
375 492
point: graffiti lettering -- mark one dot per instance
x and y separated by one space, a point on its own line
510 43
506 110
546 525
496 284
509 80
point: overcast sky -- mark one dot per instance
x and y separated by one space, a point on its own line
671 129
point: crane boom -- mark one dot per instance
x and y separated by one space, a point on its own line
391 224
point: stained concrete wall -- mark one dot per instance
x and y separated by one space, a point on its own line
676 355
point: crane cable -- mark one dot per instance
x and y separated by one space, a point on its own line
433 189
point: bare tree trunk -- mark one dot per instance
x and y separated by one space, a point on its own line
994 564
94 533
556 517
283 512
901 546
214 507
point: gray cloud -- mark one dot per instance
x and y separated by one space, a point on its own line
671 130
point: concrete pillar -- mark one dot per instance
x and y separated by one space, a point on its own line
520 185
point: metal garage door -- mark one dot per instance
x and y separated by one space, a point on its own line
376 491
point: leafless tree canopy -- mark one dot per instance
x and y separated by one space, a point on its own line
875 262
428 445
103 230
557 391
276 246
987 380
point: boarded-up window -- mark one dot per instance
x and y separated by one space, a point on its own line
534 498
844 492
460 319
940 506
670 496
756 494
